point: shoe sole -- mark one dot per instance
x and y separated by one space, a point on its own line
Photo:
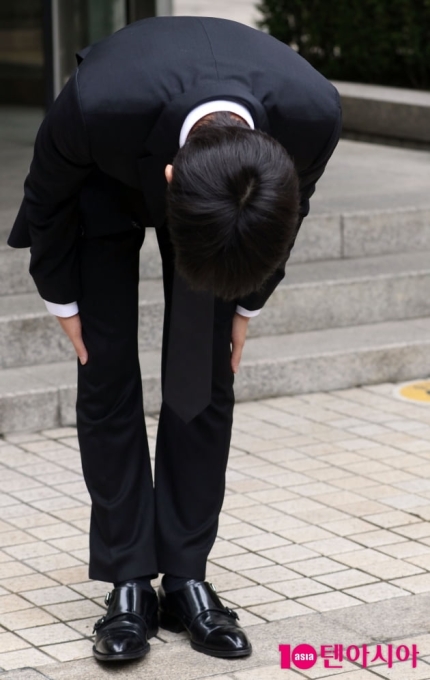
120 657
224 655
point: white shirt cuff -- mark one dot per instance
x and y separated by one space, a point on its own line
70 309
247 312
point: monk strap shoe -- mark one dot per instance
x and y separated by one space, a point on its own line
212 627
131 619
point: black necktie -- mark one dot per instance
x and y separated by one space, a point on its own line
188 376
188 372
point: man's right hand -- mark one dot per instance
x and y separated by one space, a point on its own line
72 327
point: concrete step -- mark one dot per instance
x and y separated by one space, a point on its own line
313 296
322 237
339 293
14 263
44 396
30 335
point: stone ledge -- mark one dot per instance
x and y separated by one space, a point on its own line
391 112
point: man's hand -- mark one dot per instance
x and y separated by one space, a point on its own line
238 335
71 325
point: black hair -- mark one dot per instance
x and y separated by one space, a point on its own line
232 207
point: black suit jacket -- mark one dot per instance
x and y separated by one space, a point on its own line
122 110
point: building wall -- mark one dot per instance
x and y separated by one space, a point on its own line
21 52
238 10
24 78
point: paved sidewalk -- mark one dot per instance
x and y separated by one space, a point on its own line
324 539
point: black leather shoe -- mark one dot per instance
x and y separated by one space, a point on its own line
130 620
212 627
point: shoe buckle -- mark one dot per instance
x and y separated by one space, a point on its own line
232 613
212 586
98 624
108 598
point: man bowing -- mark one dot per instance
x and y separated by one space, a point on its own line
214 134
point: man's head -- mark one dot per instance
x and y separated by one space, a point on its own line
232 206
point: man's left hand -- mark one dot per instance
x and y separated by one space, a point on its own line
238 335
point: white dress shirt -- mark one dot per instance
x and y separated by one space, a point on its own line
71 308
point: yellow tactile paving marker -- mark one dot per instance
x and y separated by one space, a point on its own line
418 391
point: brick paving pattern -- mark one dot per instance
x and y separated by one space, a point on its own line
326 509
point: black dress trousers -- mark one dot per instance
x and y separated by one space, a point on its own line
140 525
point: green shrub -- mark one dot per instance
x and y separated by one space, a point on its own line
369 41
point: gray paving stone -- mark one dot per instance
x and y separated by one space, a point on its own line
26 674
371 623
392 619
296 580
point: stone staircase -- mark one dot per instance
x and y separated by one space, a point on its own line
354 308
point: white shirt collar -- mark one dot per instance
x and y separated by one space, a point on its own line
212 107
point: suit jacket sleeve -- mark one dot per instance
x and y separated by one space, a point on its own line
60 164
308 180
